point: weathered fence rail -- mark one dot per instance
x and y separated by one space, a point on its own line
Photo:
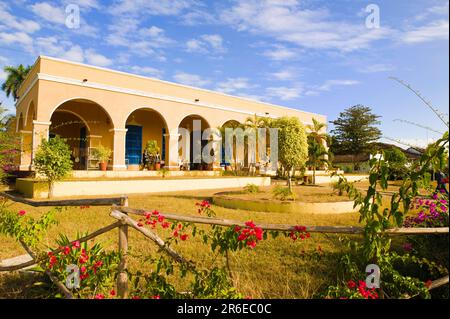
120 211
65 202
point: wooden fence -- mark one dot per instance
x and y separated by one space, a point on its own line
120 211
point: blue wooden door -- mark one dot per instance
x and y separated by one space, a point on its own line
133 144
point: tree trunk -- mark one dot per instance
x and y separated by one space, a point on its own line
314 175
289 181
50 189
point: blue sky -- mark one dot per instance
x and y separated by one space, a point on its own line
318 56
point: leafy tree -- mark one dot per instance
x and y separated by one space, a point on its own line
52 160
15 77
9 145
355 129
397 161
316 155
292 144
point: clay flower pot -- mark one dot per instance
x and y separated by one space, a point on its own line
157 166
103 166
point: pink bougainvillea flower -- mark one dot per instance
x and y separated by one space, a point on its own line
155 212
156 297
76 244
66 250
99 296
251 244
351 284
22 212
165 225
250 224
407 247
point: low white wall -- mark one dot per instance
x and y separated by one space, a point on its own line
117 187
127 174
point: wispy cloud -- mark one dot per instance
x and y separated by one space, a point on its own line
235 85
191 79
308 28
8 20
376 68
207 43
437 30
284 93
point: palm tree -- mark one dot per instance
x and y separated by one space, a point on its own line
315 130
15 77
255 123
316 155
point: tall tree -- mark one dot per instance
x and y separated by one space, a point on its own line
316 155
354 130
15 77
316 131
292 144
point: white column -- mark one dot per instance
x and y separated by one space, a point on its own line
41 132
118 163
172 140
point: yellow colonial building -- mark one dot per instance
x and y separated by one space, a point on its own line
91 106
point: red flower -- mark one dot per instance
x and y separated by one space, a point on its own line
83 259
351 284
112 293
140 224
184 237
76 245
175 233
251 244
155 212
22 212
156 297
53 261
250 224
428 283
165 225
66 250
160 218
135 297
237 229
99 296
83 269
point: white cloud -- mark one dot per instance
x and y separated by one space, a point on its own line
284 75
143 42
21 38
49 12
207 43
284 93
437 30
75 54
190 79
287 21
376 68
148 71
331 83
151 7
95 58
233 85
87 4
12 22
281 53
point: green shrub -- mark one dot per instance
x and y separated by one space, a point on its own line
283 193
52 160
251 189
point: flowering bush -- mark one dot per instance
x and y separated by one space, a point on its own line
96 267
433 212
353 290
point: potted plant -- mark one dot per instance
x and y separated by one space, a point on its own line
102 154
151 154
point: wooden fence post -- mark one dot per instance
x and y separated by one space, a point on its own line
122 278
